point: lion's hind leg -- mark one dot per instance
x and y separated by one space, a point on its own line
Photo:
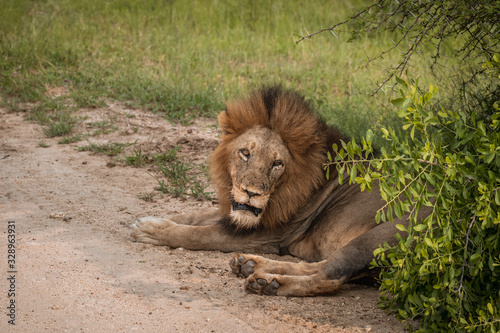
293 285
273 277
349 262
244 265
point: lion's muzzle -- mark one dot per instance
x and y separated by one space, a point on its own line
238 206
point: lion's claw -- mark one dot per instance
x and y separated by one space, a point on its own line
261 286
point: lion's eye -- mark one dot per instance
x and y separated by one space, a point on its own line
277 164
244 154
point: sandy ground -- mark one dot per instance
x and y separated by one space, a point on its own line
76 269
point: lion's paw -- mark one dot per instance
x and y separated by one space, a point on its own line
258 285
241 266
149 229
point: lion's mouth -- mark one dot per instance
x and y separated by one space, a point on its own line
238 206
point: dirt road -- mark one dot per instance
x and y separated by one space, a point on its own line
76 269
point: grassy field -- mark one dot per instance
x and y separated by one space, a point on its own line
184 58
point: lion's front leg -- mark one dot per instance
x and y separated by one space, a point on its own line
199 218
152 230
158 231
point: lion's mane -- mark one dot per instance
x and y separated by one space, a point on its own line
305 135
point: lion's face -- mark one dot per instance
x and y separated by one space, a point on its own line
258 159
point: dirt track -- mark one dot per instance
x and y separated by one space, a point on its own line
77 270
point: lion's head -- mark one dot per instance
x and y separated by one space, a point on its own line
270 159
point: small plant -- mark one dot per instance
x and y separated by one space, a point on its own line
55 116
137 160
70 139
110 149
163 187
13 104
198 191
177 174
58 129
103 127
165 156
148 197
43 145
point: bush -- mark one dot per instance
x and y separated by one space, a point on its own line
446 273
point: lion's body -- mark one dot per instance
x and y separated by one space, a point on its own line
274 198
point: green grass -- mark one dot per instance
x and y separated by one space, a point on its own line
184 58
137 159
110 149
57 129
70 139
177 174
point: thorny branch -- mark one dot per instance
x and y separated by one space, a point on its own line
425 22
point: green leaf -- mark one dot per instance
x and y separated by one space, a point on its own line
489 158
420 227
398 211
377 251
352 178
389 214
482 128
475 256
369 136
428 242
398 102
401 82
468 137
465 193
490 308
401 227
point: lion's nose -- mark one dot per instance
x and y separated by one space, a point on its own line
250 193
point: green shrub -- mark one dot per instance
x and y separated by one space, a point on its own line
446 273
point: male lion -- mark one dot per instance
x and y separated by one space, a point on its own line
274 197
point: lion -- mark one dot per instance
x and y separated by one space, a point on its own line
274 197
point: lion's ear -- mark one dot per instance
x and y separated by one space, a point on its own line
225 123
